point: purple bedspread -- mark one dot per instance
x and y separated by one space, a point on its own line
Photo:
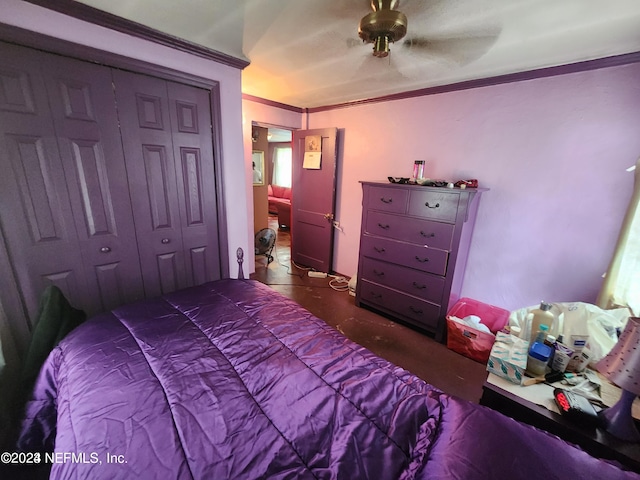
230 380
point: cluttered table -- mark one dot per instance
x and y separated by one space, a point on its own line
535 405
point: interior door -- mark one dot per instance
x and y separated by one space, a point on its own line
143 109
313 197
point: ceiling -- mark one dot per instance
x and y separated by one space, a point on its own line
306 53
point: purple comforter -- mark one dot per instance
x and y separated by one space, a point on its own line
229 380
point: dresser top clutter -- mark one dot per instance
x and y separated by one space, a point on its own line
414 246
418 191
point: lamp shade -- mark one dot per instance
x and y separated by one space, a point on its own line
622 364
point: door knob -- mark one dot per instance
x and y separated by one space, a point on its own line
328 216
165 241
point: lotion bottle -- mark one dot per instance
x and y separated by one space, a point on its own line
541 316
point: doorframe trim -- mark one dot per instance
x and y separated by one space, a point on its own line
15 310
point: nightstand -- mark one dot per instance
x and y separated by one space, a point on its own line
529 405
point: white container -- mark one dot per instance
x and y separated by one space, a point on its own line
538 358
536 367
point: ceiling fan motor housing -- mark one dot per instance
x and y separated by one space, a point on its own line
382 26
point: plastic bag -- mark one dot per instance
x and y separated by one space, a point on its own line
579 318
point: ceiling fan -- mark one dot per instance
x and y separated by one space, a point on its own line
383 26
386 25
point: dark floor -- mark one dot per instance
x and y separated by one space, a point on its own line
405 347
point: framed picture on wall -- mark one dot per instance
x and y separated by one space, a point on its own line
258 167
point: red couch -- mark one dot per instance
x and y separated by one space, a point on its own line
280 204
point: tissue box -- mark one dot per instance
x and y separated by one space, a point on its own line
508 357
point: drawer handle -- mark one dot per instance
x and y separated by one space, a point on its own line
164 241
105 250
386 200
419 286
379 249
431 206
422 260
376 295
415 310
379 274
427 235
384 227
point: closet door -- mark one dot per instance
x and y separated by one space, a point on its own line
35 210
193 152
66 208
86 125
143 110
168 145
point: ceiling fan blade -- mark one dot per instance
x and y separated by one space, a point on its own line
375 70
459 50
353 42
458 33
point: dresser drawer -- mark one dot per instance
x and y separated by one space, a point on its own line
387 199
434 204
419 311
419 257
413 282
422 232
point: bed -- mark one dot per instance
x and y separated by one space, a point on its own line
230 380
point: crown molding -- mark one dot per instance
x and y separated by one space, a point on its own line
271 103
92 15
606 62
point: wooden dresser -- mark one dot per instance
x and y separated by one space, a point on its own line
413 250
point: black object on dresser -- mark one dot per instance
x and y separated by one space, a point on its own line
413 250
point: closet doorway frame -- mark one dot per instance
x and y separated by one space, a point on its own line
11 302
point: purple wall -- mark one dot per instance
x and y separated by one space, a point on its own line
553 151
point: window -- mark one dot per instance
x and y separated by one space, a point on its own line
621 287
282 166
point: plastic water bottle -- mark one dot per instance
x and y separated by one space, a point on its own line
541 334
539 353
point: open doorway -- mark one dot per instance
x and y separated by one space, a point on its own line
279 190
272 167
